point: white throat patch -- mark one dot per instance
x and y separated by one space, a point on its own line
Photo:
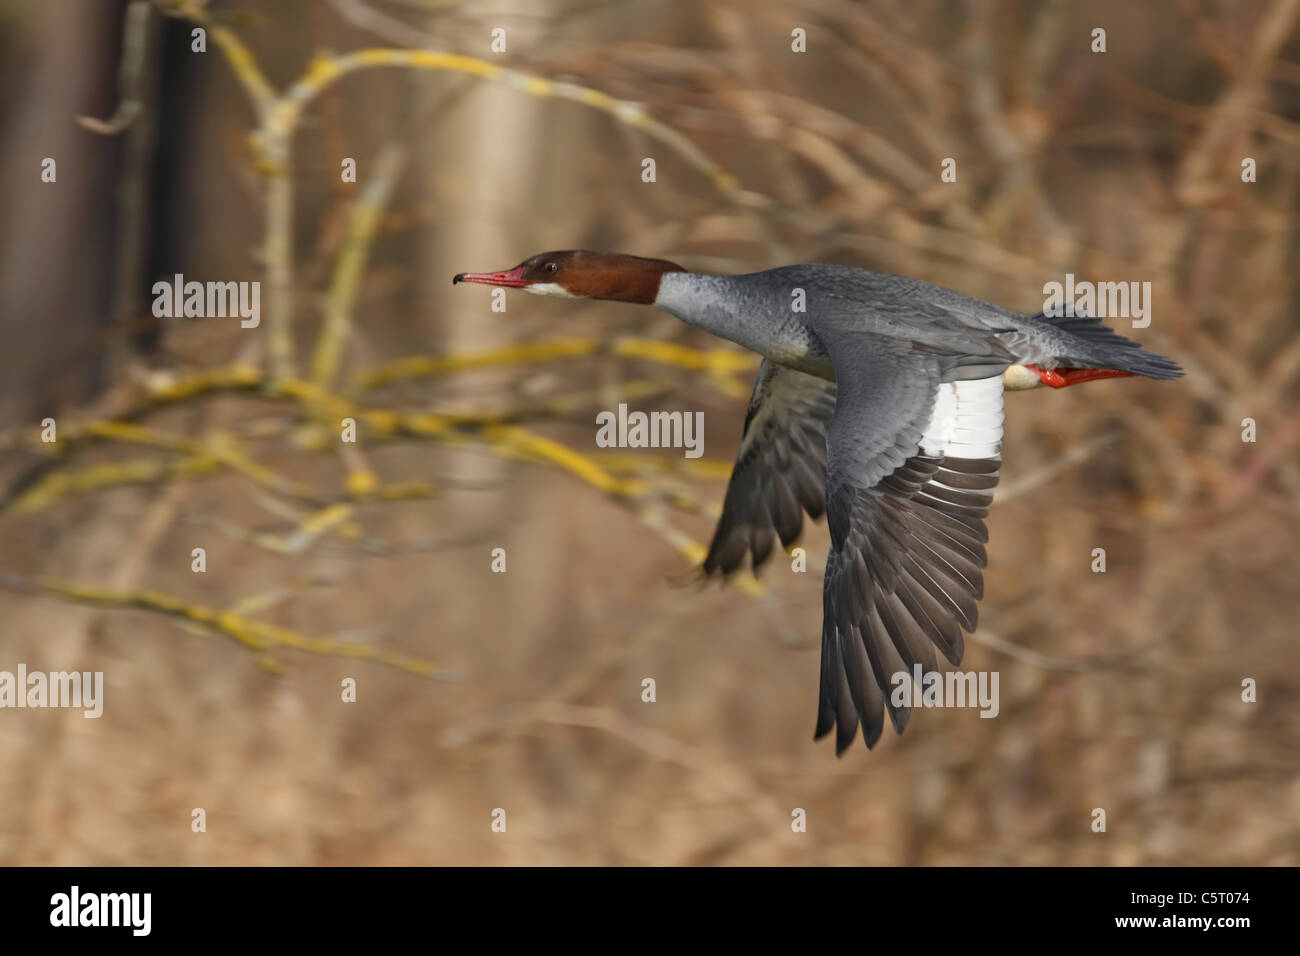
549 288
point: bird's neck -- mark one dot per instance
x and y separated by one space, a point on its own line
752 314
717 304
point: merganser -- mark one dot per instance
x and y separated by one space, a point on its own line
878 402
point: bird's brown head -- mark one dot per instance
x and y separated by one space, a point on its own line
577 273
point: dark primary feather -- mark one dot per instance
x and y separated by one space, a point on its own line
780 469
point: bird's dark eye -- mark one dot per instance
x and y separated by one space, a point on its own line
552 267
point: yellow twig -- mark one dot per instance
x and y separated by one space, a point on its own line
278 252
352 263
513 438
325 70
61 484
237 55
622 462
713 361
256 636
219 446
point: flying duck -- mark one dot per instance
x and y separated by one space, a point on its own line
879 403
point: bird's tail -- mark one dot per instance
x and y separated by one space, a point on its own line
1101 347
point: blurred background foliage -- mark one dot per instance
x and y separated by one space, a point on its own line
1119 690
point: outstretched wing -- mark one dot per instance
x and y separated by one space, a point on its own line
780 470
913 453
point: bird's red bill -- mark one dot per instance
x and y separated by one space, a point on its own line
511 278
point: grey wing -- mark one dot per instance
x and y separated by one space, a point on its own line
780 470
913 453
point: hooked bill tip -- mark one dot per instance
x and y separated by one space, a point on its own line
458 277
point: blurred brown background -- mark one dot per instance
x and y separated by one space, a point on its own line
1119 690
